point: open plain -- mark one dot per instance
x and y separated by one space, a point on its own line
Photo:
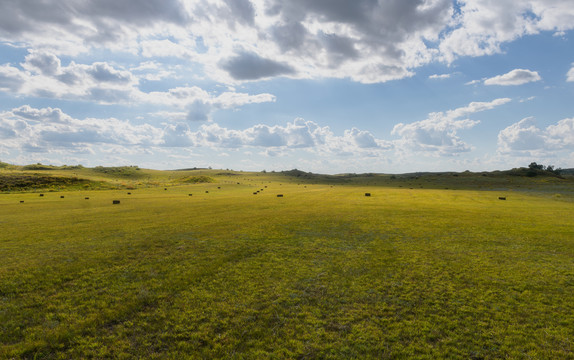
214 264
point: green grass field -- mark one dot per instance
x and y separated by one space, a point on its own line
413 271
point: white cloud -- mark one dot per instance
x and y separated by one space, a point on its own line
476 106
562 134
525 138
570 74
473 82
439 133
521 136
514 77
299 134
482 26
11 79
439 76
51 130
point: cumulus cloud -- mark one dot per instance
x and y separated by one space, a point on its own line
299 134
48 130
481 26
521 136
439 133
11 79
514 77
570 74
44 63
525 138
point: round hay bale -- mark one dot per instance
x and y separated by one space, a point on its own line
115 202
367 194
279 195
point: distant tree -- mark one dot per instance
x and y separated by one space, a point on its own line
537 169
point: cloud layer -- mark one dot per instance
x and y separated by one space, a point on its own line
367 41
48 130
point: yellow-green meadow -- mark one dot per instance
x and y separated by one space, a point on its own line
213 264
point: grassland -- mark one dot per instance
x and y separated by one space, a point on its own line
429 266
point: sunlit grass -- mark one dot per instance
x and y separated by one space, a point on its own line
323 272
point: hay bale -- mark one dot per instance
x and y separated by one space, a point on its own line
129 193
502 198
367 194
219 187
165 188
62 196
207 192
86 198
115 202
255 193
21 201
279 195
190 194
41 195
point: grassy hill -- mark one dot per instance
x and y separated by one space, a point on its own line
213 264
21 178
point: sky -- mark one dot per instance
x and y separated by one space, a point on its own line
326 86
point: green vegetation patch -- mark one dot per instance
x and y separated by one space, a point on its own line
39 166
119 171
22 182
196 179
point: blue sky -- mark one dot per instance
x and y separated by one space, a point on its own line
328 86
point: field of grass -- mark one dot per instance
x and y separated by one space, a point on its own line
412 271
